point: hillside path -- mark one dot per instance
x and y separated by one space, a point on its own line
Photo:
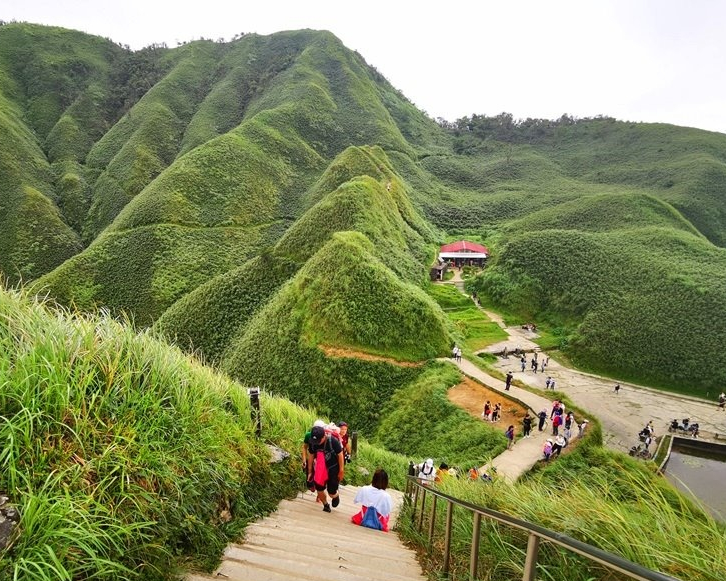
300 541
526 452
622 415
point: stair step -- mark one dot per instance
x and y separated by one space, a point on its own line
279 538
360 556
307 567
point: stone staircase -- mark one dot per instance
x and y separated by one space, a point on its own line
300 541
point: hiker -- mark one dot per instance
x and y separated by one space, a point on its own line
426 471
325 465
542 419
485 415
523 362
375 499
526 425
508 381
547 382
547 449
345 440
304 453
509 433
543 365
555 407
581 428
569 418
552 384
617 388
534 365
556 423
454 352
560 443
722 401
496 411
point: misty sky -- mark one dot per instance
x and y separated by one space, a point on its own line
650 60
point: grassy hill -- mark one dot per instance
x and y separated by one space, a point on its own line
343 297
226 136
127 459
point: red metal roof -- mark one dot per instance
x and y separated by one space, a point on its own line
464 246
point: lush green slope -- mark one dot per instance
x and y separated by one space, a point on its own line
420 421
357 198
145 270
646 303
344 297
600 497
303 99
207 319
121 453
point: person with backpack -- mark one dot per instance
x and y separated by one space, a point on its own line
542 419
426 471
526 425
377 503
510 437
325 465
345 440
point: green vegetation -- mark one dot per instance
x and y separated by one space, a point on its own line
420 421
645 300
472 326
368 309
603 498
207 319
144 271
124 453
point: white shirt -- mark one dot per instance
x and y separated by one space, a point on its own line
371 496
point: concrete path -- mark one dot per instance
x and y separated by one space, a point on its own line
300 541
623 414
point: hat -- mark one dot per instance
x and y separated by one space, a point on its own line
549 440
429 462
320 423
316 435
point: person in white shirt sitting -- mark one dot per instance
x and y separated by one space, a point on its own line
374 497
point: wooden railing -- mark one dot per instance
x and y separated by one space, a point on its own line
417 490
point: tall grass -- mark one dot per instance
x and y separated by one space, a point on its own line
125 457
618 506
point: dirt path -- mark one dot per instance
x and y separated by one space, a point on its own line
470 395
346 353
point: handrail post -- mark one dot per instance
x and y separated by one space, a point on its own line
423 508
475 534
447 536
415 504
530 565
432 522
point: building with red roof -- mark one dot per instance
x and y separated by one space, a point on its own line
465 246
464 253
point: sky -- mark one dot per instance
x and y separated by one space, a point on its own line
635 60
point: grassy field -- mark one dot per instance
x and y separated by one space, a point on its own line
471 325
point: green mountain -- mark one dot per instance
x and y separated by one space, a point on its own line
192 188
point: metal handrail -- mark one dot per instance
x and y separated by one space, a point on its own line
422 488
